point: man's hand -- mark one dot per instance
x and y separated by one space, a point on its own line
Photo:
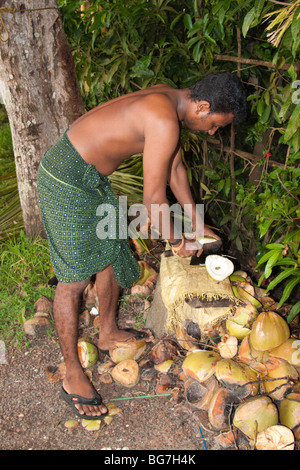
188 248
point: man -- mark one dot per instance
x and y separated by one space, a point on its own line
72 183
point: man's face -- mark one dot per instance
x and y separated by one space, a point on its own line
212 122
201 119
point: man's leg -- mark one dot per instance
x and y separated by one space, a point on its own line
65 311
108 292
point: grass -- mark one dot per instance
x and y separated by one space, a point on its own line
25 269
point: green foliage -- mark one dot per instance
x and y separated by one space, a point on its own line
286 256
25 269
120 47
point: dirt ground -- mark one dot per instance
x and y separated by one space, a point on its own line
33 416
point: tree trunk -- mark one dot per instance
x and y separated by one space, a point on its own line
39 89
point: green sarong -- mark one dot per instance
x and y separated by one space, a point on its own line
70 192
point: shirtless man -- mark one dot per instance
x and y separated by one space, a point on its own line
148 122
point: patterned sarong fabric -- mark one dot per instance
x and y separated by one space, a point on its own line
71 192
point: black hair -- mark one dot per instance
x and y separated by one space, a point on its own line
224 92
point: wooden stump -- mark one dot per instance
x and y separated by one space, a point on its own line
157 316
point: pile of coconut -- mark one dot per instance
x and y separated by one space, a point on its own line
242 375
249 381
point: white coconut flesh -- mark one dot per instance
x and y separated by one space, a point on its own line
218 267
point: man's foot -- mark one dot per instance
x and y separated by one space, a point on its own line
83 398
108 341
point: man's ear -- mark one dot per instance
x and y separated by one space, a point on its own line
203 106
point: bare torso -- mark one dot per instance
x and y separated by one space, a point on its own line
116 130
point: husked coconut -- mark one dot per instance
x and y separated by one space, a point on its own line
269 330
218 267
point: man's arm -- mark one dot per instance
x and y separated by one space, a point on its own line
180 187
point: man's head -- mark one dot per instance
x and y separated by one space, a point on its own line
220 99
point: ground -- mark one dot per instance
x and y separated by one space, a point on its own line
33 416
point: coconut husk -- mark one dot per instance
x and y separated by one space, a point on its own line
181 281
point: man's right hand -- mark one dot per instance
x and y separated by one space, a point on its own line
188 248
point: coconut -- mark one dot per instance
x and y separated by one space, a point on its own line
200 365
228 347
218 267
289 413
276 437
91 425
163 367
143 290
200 394
285 373
220 407
237 378
269 330
131 349
187 340
245 314
288 350
255 415
36 324
164 350
234 329
247 297
126 373
87 353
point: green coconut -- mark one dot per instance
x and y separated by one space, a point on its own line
286 374
268 331
237 377
255 415
200 365
289 413
87 353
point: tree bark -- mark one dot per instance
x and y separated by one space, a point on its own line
39 89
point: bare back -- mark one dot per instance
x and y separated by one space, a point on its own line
116 130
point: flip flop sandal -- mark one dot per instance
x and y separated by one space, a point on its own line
96 400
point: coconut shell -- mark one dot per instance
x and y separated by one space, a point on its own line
234 329
237 377
228 347
220 408
187 340
269 330
285 373
87 353
255 415
131 349
218 267
200 365
288 350
35 324
126 373
200 394
275 438
289 413
164 350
